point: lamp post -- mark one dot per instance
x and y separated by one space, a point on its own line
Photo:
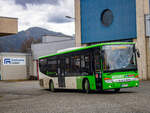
69 17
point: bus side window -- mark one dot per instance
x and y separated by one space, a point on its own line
75 65
85 65
67 67
43 66
52 68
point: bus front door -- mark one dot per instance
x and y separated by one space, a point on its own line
61 73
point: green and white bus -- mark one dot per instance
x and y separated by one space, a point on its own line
97 67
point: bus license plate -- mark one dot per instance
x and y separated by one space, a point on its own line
124 85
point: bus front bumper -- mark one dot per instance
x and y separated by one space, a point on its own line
115 85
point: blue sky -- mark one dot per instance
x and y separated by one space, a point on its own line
49 14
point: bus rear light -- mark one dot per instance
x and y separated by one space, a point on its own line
136 76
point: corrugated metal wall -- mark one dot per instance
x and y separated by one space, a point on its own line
122 27
16 72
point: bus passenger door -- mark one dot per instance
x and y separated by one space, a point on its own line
61 73
97 63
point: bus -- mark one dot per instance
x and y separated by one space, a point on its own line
99 67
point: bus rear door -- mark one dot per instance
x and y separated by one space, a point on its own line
61 73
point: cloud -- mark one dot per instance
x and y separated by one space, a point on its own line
44 15
59 18
66 8
36 2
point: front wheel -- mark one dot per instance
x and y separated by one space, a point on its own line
87 86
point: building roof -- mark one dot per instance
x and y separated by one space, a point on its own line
13 54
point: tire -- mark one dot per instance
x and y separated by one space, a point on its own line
117 90
51 86
87 86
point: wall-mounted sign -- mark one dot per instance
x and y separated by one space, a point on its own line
14 61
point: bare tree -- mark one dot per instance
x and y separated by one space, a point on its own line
1 48
26 45
39 40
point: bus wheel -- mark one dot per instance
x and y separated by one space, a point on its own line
117 90
51 86
87 86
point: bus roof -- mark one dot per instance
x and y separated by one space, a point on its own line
85 47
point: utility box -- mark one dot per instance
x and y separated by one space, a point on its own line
14 66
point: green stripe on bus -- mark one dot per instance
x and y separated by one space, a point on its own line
91 79
86 47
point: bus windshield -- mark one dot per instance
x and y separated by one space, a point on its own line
119 57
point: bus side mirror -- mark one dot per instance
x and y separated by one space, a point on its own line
137 52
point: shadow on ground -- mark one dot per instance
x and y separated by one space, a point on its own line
92 92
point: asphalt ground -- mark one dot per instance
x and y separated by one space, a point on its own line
29 97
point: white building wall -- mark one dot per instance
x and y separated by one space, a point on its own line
35 68
14 72
0 67
50 39
43 49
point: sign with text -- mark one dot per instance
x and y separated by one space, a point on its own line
14 61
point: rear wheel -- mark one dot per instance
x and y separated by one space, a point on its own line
87 86
51 86
117 90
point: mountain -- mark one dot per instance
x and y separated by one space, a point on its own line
14 42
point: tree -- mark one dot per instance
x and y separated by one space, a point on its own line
1 48
39 40
26 45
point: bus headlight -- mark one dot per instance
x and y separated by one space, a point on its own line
108 81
